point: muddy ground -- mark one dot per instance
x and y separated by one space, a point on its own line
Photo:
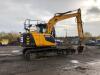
12 63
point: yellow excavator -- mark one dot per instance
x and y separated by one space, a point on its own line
42 37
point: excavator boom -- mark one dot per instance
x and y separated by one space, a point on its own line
62 16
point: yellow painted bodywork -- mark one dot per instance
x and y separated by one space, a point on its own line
40 39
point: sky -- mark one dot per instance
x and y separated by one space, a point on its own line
14 12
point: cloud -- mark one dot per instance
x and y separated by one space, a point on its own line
92 14
93 27
93 10
14 12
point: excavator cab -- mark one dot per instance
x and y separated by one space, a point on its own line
35 35
35 25
38 26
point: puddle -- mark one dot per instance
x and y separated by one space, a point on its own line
74 61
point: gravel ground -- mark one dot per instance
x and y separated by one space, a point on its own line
12 63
